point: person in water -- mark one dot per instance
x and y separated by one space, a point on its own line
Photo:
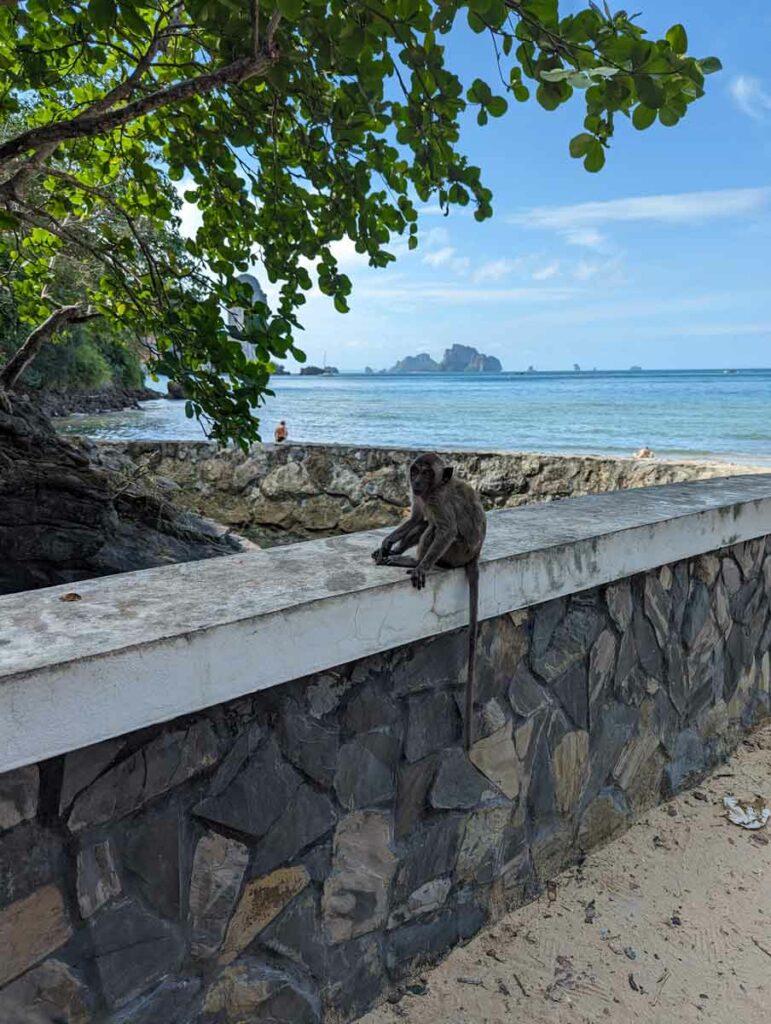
280 433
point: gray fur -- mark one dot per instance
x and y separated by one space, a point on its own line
448 524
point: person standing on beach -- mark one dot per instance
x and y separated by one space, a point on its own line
280 433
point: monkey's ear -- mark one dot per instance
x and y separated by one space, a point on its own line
446 474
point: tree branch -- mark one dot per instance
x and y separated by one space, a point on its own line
30 347
88 124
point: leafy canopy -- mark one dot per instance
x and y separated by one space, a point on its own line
298 123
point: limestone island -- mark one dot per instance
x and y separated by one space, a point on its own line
458 359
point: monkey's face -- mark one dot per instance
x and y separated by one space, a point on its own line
427 474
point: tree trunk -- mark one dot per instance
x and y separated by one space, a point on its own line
64 518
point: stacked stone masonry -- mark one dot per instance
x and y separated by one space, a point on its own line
294 491
295 855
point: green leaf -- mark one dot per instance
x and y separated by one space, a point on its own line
650 92
8 220
595 157
497 106
643 117
290 9
710 65
669 116
677 39
580 144
102 12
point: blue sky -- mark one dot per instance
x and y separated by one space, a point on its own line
660 260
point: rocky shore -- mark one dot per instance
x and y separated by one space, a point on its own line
283 493
110 399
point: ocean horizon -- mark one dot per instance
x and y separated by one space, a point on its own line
702 414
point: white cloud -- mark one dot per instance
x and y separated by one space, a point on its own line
589 238
685 208
439 257
452 294
585 271
494 270
544 273
714 330
750 96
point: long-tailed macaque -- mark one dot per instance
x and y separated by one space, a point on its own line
448 524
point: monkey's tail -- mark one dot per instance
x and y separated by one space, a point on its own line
472 572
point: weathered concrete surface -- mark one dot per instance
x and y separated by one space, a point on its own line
307 490
185 637
294 855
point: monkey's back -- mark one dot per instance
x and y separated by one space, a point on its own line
471 524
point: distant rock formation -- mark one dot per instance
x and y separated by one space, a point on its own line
279 370
458 359
318 371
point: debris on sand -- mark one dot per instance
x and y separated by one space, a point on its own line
750 814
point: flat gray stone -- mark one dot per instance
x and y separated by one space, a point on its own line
18 796
481 852
51 992
647 646
152 851
425 900
658 606
98 881
366 770
308 817
602 661
30 857
355 898
310 745
430 852
81 767
546 617
433 722
618 597
164 763
570 642
732 577
174 1001
219 864
526 695
572 691
132 950
296 934
354 977
257 796
249 992
696 612
414 782
371 710
458 785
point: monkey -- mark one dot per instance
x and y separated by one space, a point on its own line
448 524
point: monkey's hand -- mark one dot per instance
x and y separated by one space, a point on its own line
380 555
418 577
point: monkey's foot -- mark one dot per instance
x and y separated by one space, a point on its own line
418 577
379 556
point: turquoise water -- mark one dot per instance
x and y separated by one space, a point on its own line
703 414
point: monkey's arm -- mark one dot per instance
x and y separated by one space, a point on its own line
403 537
444 536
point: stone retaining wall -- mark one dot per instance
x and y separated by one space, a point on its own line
311 490
294 855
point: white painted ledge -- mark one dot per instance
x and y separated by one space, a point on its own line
145 647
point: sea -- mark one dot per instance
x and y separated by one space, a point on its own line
720 415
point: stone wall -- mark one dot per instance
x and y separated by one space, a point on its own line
311 490
295 855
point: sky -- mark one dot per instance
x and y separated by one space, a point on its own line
661 260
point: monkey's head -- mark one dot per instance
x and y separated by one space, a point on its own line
428 473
